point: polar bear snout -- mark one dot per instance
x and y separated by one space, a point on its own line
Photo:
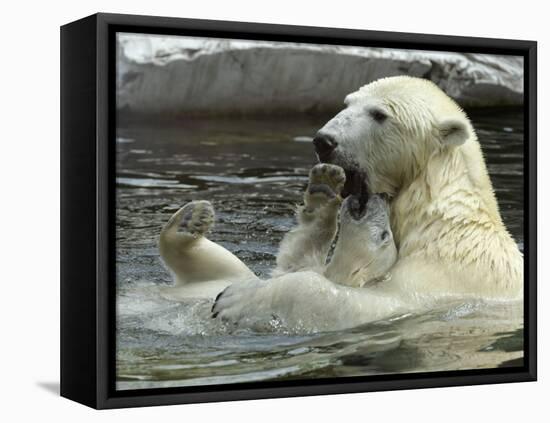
336 143
324 145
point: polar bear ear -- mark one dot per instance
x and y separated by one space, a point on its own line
454 132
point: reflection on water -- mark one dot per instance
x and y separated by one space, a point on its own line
254 172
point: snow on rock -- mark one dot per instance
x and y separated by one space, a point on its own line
172 75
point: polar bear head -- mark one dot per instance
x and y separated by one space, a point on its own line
388 131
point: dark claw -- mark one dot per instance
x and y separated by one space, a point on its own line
215 313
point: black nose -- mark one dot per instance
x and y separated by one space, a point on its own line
324 145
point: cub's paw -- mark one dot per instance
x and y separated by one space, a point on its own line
197 218
325 184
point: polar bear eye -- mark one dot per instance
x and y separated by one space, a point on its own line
378 115
384 236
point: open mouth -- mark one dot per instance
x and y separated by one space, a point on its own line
356 188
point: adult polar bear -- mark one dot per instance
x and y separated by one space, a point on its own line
413 142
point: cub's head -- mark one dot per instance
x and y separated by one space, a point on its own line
388 131
365 250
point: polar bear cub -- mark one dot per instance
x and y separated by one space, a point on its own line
365 250
363 254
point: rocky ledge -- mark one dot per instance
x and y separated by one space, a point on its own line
175 75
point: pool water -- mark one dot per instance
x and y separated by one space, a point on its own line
254 172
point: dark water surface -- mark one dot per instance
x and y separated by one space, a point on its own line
254 172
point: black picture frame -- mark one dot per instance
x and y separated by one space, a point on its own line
87 210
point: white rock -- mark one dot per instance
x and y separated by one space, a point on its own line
177 75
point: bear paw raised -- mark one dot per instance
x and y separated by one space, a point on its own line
325 184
